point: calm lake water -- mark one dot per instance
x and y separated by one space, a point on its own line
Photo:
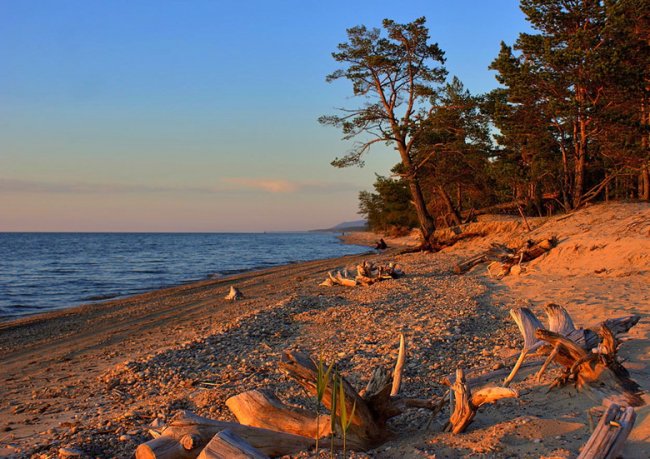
44 271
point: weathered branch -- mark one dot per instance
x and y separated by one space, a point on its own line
610 434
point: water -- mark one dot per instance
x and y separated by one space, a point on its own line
45 271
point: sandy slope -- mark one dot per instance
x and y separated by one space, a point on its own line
93 378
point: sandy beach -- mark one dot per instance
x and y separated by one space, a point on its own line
92 380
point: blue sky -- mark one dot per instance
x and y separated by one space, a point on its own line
197 115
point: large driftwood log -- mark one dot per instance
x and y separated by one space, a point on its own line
467 404
227 445
187 434
263 409
610 434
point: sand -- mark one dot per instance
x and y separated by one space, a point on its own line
93 379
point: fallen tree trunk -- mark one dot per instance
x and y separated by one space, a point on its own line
187 434
610 434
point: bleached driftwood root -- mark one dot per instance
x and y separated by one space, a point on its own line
600 372
610 434
234 294
466 404
367 274
527 323
560 322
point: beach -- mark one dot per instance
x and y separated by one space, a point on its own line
92 380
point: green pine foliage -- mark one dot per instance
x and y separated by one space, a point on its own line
569 122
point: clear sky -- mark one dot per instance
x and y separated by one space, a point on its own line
198 115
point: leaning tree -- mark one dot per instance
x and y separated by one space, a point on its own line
397 72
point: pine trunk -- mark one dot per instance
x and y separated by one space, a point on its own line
645 179
455 216
427 225
580 161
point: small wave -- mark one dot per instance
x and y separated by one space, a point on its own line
21 307
107 296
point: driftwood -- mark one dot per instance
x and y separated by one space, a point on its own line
610 434
466 404
599 371
367 274
234 294
527 323
505 259
399 367
263 409
372 407
187 434
560 323
466 265
227 445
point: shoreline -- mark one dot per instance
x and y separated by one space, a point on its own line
5 319
8 321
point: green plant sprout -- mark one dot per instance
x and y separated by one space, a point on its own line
322 380
335 401
345 420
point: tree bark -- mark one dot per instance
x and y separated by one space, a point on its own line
427 224
645 180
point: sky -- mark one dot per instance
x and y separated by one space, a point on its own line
178 115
